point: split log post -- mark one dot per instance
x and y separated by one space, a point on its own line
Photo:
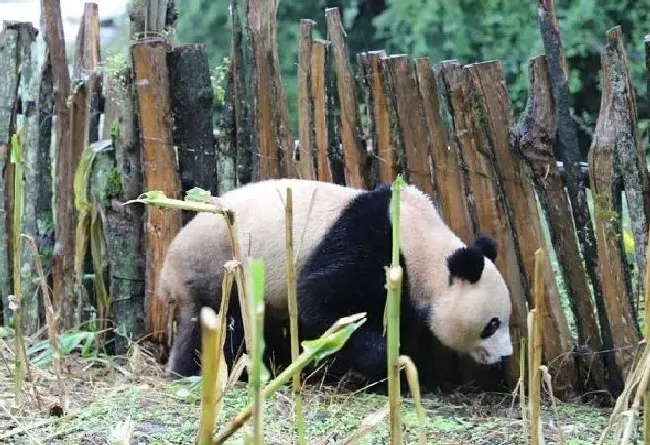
379 117
160 172
192 100
613 149
631 154
534 140
354 148
305 162
9 102
268 163
568 152
63 256
34 178
411 123
226 140
124 225
320 55
516 184
87 90
489 211
244 115
86 64
284 138
447 172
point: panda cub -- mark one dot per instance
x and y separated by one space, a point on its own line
342 239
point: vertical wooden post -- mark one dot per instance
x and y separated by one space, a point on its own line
489 208
9 67
319 67
613 151
124 225
516 184
354 148
192 98
411 123
534 140
378 103
34 178
63 257
160 170
447 171
567 141
305 164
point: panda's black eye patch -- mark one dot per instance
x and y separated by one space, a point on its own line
490 328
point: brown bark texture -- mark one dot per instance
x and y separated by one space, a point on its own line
305 162
447 171
534 140
486 197
160 170
354 148
319 56
614 145
66 163
34 178
411 123
517 185
377 103
124 225
567 150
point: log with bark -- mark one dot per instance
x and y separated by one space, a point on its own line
320 55
487 205
355 153
160 171
534 140
614 163
515 182
66 163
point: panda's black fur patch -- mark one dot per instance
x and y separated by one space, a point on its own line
345 275
487 245
466 263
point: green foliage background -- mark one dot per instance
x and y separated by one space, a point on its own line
465 30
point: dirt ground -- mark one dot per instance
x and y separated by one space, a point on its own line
105 392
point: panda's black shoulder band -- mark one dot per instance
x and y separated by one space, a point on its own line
487 246
466 263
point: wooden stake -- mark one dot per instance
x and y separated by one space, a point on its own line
160 173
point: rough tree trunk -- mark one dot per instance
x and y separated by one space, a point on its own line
319 65
534 140
10 62
447 168
568 152
63 255
192 100
613 150
411 123
305 162
160 170
377 109
124 225
517 185
33 177
485 196
354 148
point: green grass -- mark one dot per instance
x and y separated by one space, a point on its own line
162 412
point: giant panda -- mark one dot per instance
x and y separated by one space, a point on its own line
342 239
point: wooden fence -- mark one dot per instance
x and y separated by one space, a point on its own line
449 128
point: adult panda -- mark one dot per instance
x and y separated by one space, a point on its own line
343 240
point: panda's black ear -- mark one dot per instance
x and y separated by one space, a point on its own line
466 263
487 246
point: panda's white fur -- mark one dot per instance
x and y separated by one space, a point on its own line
458 310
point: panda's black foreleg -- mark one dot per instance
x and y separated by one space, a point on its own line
184 358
